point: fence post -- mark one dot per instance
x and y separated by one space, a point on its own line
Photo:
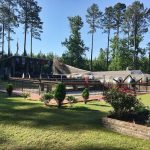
22 85
146 86
39 87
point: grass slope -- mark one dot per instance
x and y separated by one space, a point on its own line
31 125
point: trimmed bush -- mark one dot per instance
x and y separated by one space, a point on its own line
85 95
9 89
60 94
25 95
47 97
71 100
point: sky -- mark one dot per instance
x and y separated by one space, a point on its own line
56 26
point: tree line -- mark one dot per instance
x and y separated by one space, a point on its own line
125 27
14 13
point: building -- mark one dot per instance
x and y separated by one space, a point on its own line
17 66
109 76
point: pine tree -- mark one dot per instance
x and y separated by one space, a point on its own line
148 48
35 23
29 17
93 18
24 19
75 45
126 26
107 25
3 22
139 26
11 20
100 63
119 10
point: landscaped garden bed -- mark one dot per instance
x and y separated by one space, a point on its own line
129 115
127 128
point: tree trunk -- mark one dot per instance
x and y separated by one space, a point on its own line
85 101
31 42
108 47
25 36
149 62
128 39
9 41
3 38
25 31
9 20
117 39
59 103
91 65
134 57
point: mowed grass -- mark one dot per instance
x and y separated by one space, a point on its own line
145 99
31 125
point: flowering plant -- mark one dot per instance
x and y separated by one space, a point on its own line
126 90
122 100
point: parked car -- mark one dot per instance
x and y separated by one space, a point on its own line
76 76
89 75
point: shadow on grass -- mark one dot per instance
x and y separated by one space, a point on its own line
24 113
48 146
87 147
100 105
101 147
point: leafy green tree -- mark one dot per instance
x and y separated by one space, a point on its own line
35 23
148 48
107 25
11 20
50 56
100 63
123 58
144 64
139 26
24 19
3 13
75 46
125 55
126 26
29 17
93 18
8 20
114 56
119 10
40 55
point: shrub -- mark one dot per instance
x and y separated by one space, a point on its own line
9 89
47 97
122 102
25 95
71 100
142 115
85 95
60 93
148 121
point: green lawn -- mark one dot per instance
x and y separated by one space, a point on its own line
145 99
31 125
